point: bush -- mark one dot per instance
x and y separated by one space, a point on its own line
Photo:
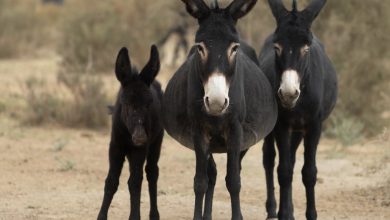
358 47
346 129
81 103
25 28
87 107
43 105
92 36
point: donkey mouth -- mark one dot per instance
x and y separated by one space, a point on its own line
288 105
139 139
216 110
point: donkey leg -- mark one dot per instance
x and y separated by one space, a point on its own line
201 178
296 138
233 179
285 172
309 170
136 160
268 164
152 173
242 155
212 174
116 159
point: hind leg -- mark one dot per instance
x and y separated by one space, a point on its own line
212 174
116 159
136 160
152 173
269 154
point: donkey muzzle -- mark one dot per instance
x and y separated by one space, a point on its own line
139 136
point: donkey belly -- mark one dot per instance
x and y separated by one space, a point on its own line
181 131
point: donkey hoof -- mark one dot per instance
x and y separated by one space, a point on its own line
208 217
154 216
102 217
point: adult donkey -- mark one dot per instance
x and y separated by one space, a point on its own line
305 81
218 101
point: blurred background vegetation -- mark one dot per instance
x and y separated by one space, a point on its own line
86 35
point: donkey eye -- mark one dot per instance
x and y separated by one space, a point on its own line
305 49
278 49
200 49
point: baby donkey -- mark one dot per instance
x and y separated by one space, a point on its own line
137 133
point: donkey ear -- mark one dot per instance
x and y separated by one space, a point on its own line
239 8
197 8
278 9
151 69
123 65
314 8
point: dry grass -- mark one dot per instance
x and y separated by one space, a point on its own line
74 101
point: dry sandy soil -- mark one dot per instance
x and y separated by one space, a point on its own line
56 173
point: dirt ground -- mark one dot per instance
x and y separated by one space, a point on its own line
56 173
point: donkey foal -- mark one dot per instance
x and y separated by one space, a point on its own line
137 133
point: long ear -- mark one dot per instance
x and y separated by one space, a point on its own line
151 69
314 8
197 8
239 8
123 65
278 9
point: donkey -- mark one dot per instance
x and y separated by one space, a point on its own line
305 83
137 133
219 101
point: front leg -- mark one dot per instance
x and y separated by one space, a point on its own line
269 154
201 178
285 172
152 173
212 174
309 171
136 160
233 179
116 159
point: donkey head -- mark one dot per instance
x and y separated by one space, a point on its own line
292 41
136 97
217 42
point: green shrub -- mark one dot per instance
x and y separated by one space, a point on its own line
43 106
346 129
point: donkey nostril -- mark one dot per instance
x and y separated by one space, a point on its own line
207 101
225 104
296 94
280 93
